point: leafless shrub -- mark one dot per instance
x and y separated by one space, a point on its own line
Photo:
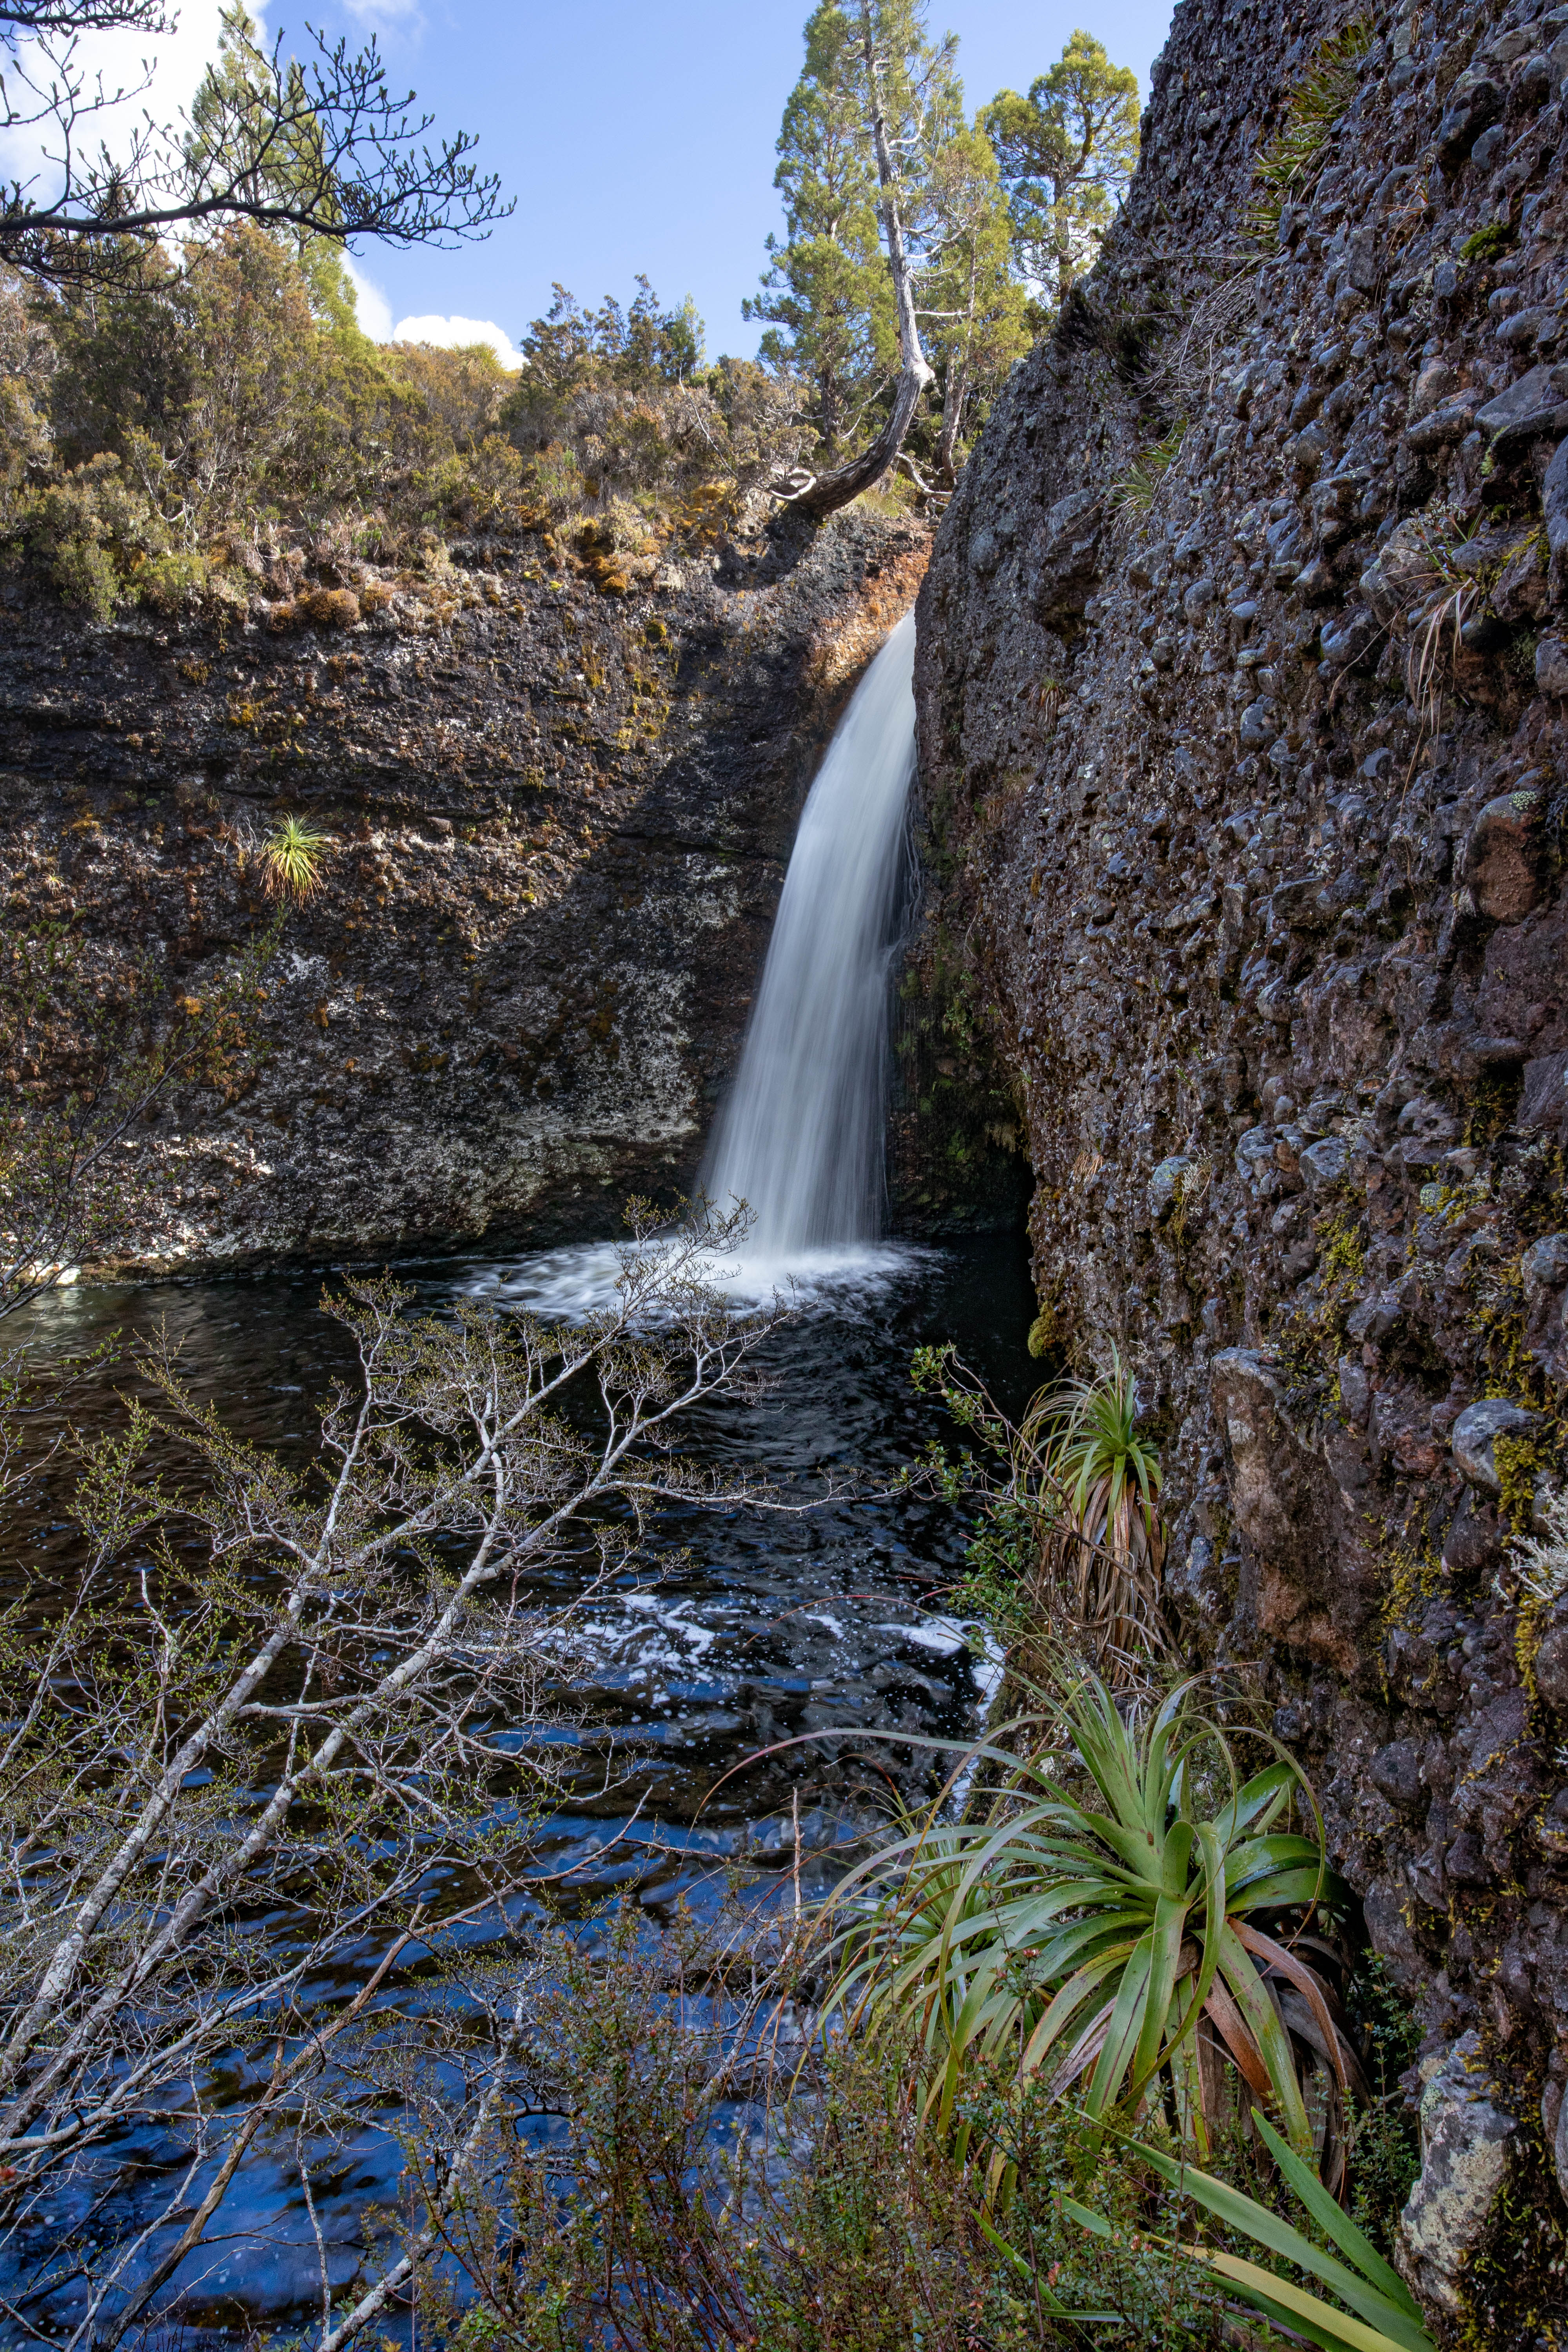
316 1696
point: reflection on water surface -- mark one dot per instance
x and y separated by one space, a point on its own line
741 1630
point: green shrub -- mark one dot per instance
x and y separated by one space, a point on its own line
1123 1922
92 529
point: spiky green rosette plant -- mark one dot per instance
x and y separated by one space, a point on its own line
1073 1513
292 854
1106 1544
1109 1932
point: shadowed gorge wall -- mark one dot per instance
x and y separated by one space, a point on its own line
1243 658
557 821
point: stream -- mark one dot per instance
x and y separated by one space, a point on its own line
738 1630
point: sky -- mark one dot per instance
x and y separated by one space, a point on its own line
632 137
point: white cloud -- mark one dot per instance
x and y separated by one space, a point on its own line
374 309
379 14
448 333
120 60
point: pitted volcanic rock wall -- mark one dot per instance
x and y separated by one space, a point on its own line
1247 773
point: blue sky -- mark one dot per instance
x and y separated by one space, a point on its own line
637 137
634 137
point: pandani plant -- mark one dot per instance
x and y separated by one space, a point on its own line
1372 2310
1072 1512
292 856
1113 1931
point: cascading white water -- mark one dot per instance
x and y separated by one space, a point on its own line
800 1139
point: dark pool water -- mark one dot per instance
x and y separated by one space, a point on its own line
739 1631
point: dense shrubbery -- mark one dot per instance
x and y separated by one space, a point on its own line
174 439
220 430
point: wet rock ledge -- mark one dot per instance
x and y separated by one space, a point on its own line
558 823
1243 689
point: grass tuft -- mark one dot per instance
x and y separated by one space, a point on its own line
1290 160
293 855
1135 493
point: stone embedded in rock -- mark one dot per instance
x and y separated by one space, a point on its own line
1436 384
1322 1164
1427 1131
1475 1437
1468 2137
1544 1104
1544 1265
1396 1773
1550 1665
1198 599
1502 857
1350 639
1401 572
1373 1317
1169 1184
1474 104
1474 1541
1256 726
1537 404
1065 558
1551 666
1554 509
1451 422
985 549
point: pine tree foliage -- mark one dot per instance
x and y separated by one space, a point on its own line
917 244
1066 153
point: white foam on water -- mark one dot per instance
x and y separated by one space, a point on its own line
563 1285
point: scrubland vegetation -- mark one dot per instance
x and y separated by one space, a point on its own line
206 426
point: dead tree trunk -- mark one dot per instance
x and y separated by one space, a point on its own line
823 494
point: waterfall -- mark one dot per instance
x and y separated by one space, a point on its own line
801 1138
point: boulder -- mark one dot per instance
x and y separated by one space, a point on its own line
1468 2143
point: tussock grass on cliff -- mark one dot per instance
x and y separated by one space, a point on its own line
1287 162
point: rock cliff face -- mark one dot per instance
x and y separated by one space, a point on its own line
557 821
1245 754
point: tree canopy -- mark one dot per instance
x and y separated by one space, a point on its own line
1065 153
920 249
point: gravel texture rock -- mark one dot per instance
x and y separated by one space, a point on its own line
1247 780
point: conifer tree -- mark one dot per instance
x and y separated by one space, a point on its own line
877 104
825 296
973 309
227 133
1066 153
